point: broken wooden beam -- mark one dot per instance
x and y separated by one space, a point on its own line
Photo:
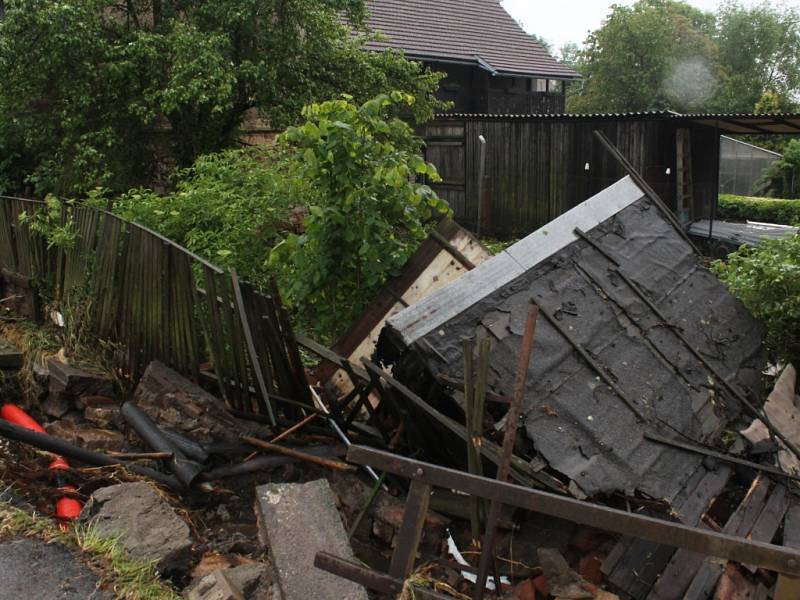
509 440
764 555
304 456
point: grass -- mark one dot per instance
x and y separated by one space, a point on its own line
129 578
497 246
36 344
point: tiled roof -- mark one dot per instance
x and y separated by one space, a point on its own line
472 31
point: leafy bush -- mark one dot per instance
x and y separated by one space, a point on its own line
230 208
766 210
782 178
370 212
767 280
47 222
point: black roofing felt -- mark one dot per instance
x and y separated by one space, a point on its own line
579 425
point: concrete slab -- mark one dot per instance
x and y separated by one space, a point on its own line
35 570
296 521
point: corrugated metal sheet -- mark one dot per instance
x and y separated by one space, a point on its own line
737 234
781 124
475 31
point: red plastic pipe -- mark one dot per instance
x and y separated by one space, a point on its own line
14 414
67 509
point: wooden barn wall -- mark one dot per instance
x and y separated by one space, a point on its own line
705 169
536 170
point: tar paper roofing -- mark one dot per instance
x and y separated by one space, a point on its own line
633 332
478 32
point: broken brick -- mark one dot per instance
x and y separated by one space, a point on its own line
590 568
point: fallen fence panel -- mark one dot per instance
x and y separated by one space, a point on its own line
142 293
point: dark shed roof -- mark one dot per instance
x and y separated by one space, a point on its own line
476 32
730 123
619 298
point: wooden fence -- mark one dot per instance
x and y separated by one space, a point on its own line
156 300
536 168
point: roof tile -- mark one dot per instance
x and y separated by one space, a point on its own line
466 30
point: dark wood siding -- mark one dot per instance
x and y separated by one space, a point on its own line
474 90
536 169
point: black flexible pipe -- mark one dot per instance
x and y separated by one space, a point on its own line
264 463
184 469
62 448
190 448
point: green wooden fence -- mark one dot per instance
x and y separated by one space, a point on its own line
156 300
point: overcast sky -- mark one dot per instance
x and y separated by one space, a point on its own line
570 20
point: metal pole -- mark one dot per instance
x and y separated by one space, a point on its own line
338 430
481 174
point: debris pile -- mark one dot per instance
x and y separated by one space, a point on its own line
596 364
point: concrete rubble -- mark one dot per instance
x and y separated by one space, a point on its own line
145 524
251 581
296 521
180 405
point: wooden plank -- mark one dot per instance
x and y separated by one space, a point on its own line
219 356
645 561
767 556
260 374
788 588
416 510
743 525
685 565
770 518
791 526
291 351
323 352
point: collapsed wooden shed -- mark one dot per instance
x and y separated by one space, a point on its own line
638 337
642 359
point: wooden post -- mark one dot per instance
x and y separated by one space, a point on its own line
788 588
419 497
509 439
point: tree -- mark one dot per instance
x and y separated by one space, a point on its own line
230 207
782 178
105 93
654 55
758 56
369 212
